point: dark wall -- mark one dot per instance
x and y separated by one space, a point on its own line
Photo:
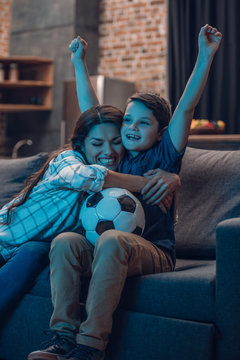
86 25
45 28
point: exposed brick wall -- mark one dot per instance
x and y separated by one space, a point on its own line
5 8
133 42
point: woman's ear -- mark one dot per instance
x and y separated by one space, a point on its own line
78 144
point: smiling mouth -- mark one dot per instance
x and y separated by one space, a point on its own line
107 161
132 137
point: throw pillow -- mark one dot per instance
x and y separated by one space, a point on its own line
209 194
13 173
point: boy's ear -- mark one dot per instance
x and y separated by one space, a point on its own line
159 136
160 133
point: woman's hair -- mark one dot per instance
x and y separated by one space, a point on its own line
94 116
160 107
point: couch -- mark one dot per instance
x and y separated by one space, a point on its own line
191 313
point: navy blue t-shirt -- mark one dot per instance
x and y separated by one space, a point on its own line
159 228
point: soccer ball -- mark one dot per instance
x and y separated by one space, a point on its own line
111 208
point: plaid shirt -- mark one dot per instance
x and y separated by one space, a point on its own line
54 203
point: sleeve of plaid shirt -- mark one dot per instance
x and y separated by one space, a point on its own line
69 170
50 209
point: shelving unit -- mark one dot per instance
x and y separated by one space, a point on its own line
33 89
215 142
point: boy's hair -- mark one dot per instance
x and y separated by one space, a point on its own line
160 107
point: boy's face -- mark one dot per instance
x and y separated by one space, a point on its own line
139 129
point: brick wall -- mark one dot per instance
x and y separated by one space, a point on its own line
133 42
5 8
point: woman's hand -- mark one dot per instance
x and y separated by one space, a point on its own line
160 188
78 47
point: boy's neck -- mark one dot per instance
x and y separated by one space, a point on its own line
133 153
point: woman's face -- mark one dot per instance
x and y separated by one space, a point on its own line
139 129
103 146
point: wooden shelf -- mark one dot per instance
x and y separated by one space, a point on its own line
215 142
25 60
23 107
24 83
33 90
215 138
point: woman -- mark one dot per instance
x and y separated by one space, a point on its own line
50 202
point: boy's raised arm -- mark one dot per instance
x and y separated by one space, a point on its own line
85 91
179 127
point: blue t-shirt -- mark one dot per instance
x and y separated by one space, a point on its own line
159 228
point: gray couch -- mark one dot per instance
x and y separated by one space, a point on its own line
192 313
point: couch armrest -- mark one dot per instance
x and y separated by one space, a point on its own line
228 288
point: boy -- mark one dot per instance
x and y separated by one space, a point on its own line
149 145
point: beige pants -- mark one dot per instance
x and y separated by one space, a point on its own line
116 255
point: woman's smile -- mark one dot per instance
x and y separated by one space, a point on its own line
103 146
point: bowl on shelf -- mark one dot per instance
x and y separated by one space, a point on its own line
207 127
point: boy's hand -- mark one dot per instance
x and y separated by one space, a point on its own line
160 187
165 203
209 40
78 47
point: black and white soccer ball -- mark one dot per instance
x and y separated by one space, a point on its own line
111 208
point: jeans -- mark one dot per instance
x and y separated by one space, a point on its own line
18 273
116 256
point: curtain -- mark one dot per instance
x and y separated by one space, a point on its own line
220 100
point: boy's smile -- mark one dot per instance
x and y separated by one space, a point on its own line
139 129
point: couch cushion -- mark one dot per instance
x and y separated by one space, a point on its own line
13 173
25 328
41 286
187 293
145 336
209 194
